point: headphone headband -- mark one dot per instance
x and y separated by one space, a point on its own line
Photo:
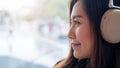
111 5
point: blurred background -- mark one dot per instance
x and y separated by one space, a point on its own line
33 33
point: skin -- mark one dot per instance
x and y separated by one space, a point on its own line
80 33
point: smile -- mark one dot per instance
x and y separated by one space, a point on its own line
75 44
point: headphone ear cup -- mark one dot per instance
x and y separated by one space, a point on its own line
110 26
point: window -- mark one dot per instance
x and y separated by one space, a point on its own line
33 33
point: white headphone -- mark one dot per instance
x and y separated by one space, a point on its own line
110 24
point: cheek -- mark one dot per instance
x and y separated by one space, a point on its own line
84 36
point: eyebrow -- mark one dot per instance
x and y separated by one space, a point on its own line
78 16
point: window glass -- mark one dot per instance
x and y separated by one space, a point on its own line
33 33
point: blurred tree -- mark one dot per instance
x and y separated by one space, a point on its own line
55 8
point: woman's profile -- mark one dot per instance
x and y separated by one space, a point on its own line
89 49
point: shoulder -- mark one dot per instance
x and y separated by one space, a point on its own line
59 61
59 64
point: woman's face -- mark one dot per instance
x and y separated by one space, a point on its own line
80 33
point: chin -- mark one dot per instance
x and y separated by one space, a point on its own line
77 56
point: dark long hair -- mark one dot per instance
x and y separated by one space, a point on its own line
106 55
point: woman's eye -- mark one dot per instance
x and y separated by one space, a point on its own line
76 22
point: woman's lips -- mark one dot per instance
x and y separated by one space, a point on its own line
75 44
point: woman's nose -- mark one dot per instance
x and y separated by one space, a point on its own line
71 33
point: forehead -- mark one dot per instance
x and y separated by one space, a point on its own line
78 9
78 4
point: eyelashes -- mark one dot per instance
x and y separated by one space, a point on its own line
76 22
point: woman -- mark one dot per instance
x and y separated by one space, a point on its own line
88 48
